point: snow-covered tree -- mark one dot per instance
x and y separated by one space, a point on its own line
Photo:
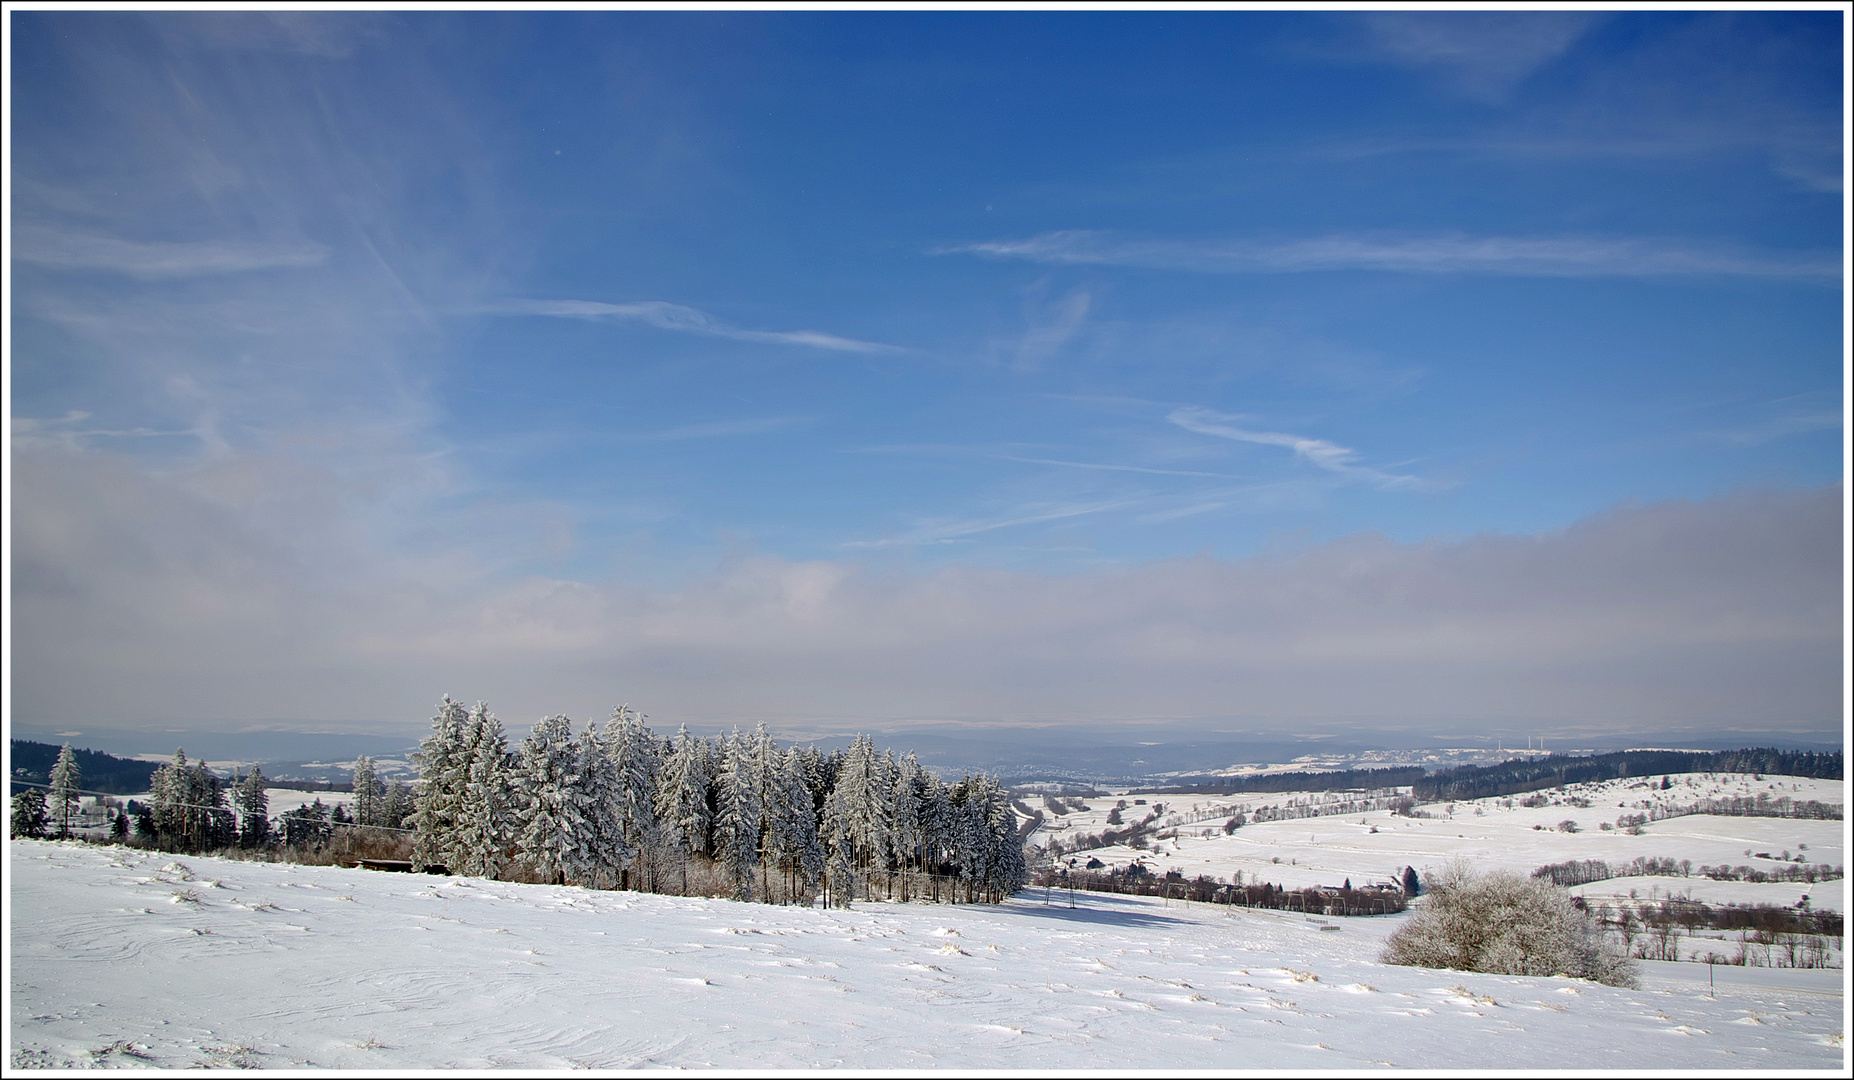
631 751
67 781
682 801
254 810
189 811
737 824
856 826
367 792
486 813
791 842
988 851
936 825
554 837
610 851
906 801
443 772
29 817
396 806
306 825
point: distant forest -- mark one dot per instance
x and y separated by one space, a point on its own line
1514 777
1522 775
33 761
1346 780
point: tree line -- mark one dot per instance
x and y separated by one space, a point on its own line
619 808
1522 775
33 763
1341 780
624 808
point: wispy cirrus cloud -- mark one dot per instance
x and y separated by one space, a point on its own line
686 320
1103 467
64 431
1435 254
1318 452
1483 54
952 532
63 250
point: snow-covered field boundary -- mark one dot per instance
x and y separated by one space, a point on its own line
120 957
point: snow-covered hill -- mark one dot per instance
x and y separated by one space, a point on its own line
1493 833
121 957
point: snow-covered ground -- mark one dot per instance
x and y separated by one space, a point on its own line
1490 833
124 957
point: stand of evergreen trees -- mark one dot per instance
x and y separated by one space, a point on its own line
33 762
193 809
1342 780
624 808
1518 775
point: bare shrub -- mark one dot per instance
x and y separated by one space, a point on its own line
1504 924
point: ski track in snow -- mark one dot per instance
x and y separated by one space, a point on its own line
123 958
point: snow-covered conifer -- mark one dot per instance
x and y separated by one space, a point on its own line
682 800
553 837
29 818
486 813
792 843
254 810
367 792
67 782
737 824
443 771
608 848
631 749
306 825
168 793
856 827
396 806
906 803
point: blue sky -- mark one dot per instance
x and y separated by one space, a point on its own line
743 362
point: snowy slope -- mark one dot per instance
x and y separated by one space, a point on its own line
183 961
1376 846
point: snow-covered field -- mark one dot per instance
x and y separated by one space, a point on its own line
128 958
1490 833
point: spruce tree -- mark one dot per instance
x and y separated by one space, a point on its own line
367 792
856 823
254 808
553 827
682 801
737 825
396 806
442 774
168 794
632 755
210 824
67 780
486 811
792 843
608 850
29 817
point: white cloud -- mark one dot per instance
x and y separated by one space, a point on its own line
1445 254
687 320
1484 54
1053 328
62 250
1327 455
